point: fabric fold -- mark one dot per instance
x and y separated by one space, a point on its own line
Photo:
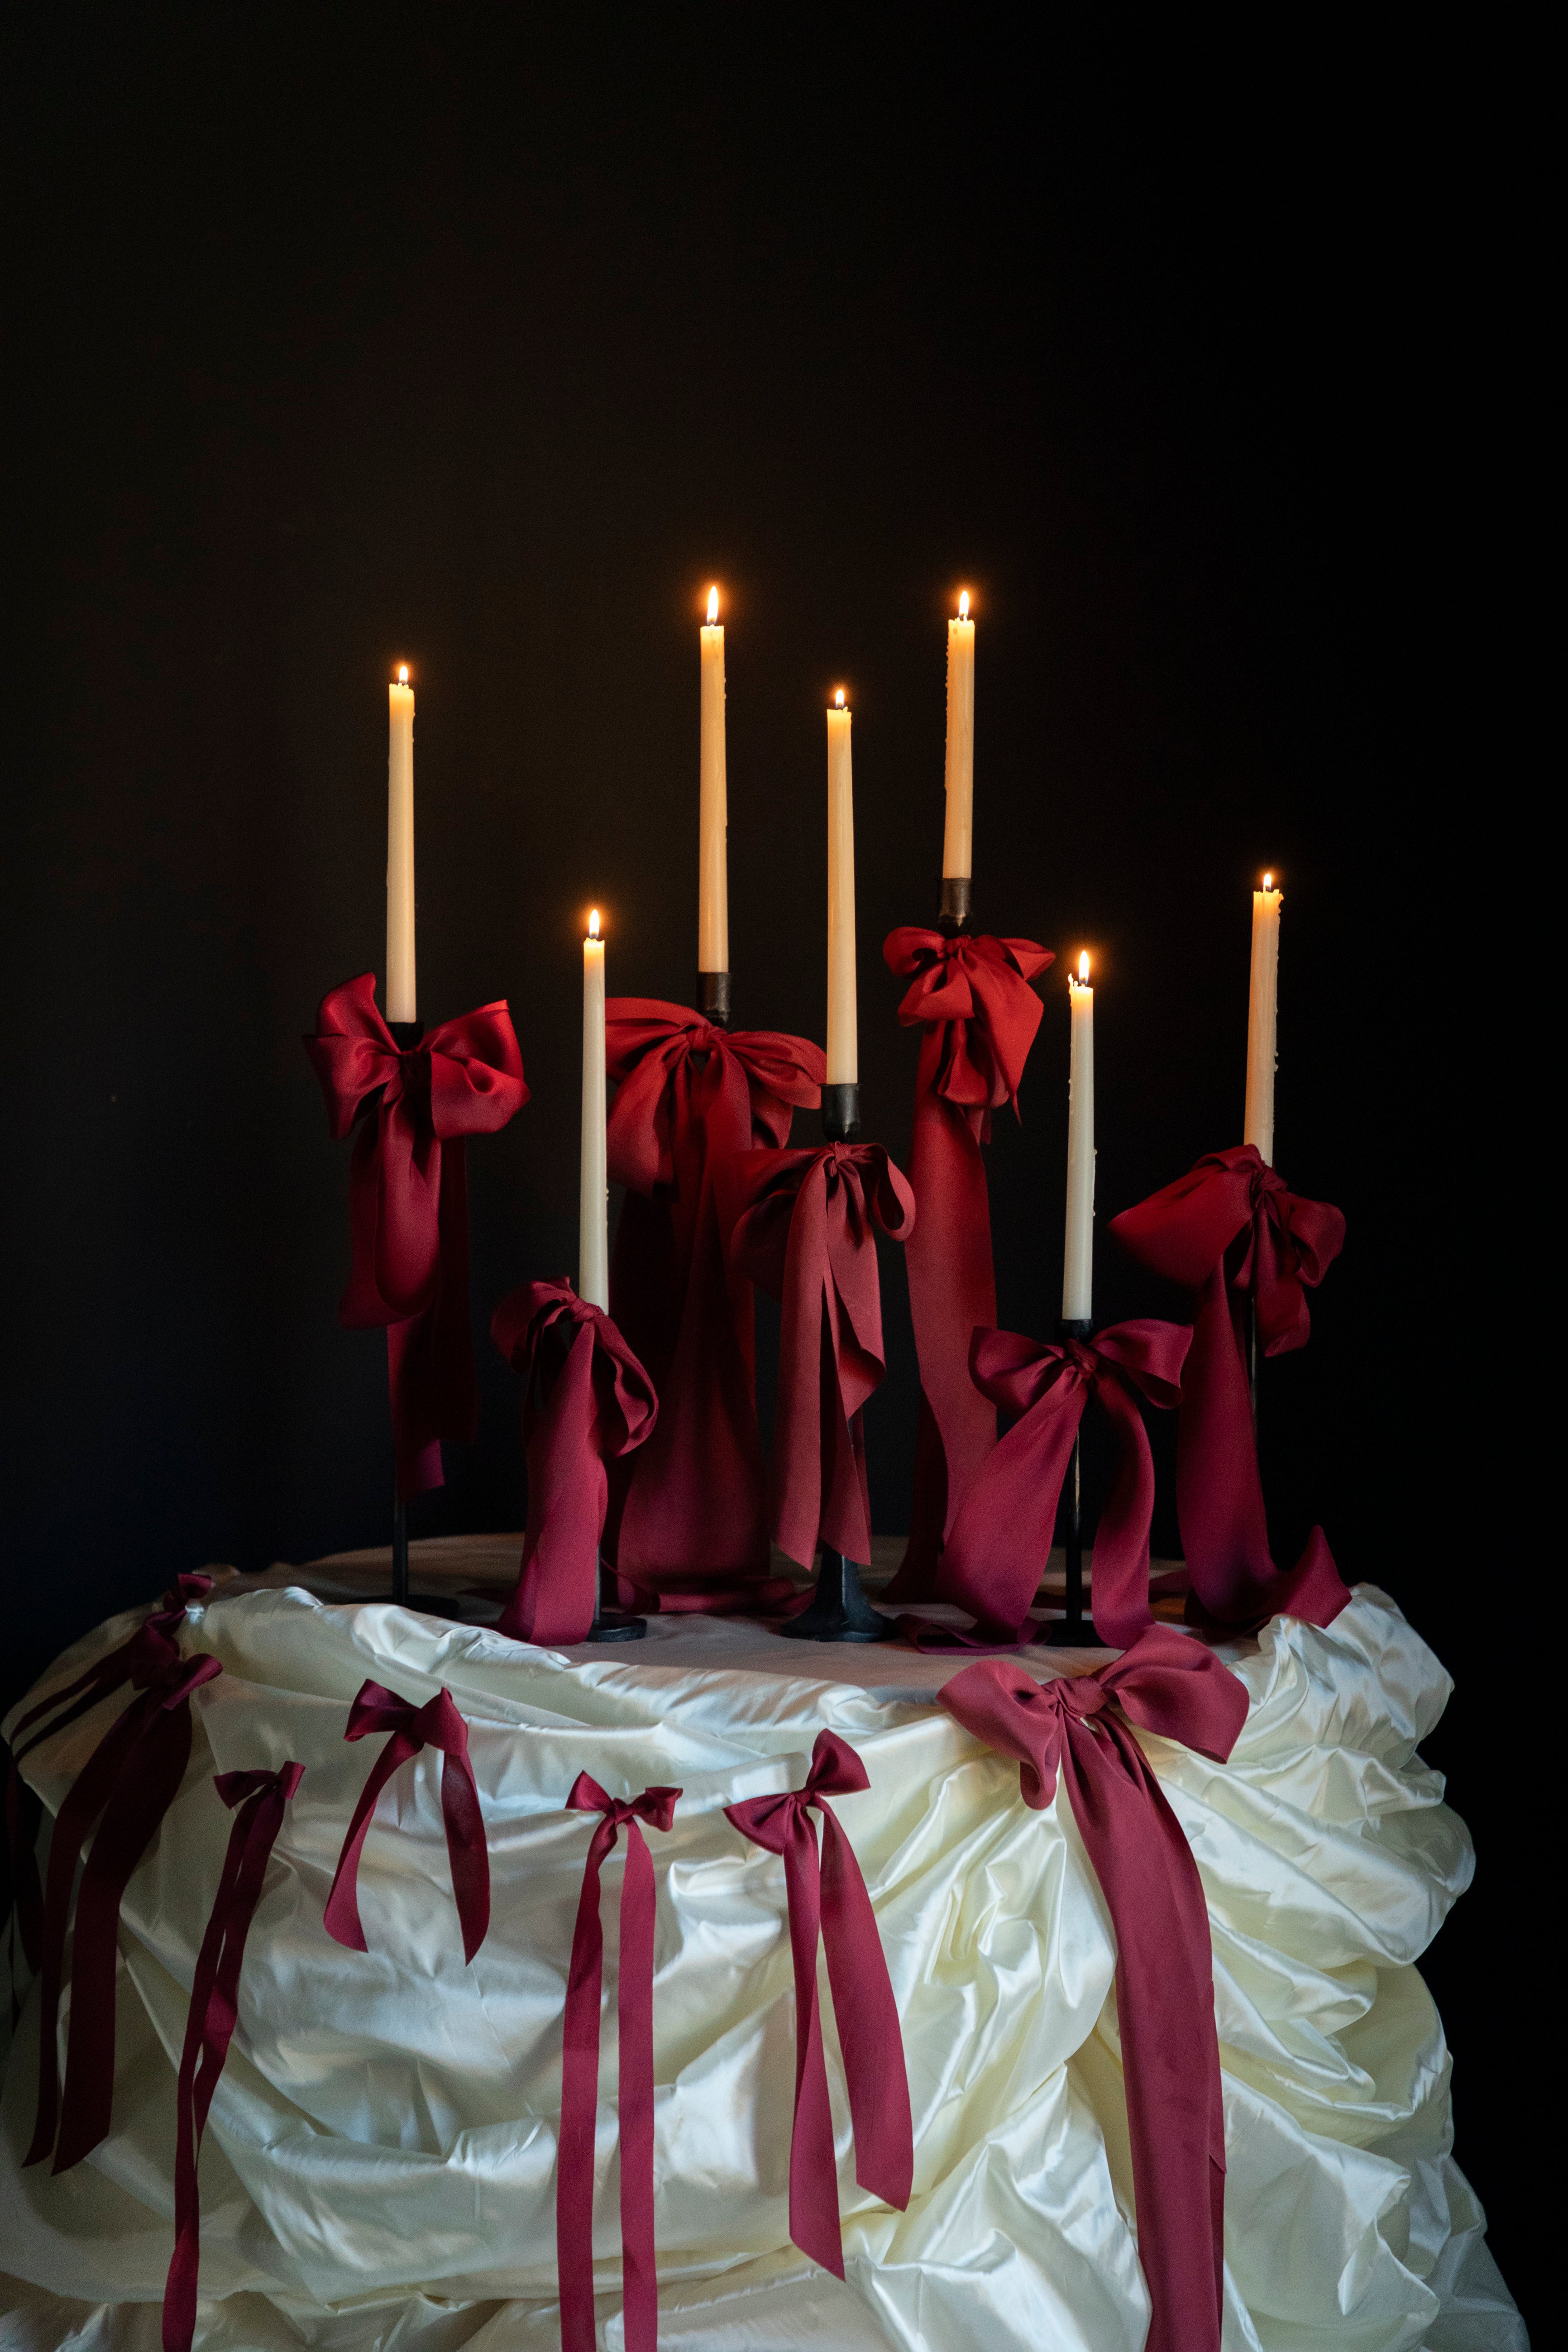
1080 1728
827 1901
438 1725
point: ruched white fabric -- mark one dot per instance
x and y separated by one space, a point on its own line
379 2166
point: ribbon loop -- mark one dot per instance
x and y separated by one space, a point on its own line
437 1724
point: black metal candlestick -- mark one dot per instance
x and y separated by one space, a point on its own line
1073 1631
953 917
612 1624
405 1036
713 997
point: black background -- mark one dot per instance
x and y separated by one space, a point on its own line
337 340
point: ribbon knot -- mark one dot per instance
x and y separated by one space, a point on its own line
580 2072
826 1897
438 1725
974 994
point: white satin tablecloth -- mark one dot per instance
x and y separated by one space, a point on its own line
379 2168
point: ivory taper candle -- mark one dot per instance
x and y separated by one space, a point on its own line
843 1048
713 812
958 840
1077 1260
401 994
1262 1018
594 1198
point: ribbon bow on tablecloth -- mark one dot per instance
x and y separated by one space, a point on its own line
688 1518
214 2013
598 1403
1230 1227
1078 1725
437 1725
972 997
1001 1538
803 1232
131 1780
408 1210
827 1897
580 2073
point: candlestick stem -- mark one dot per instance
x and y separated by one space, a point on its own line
713 997
399 1551
1074 1631
1252 1360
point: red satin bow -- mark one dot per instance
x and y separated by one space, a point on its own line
214 2013
973 999
598 1404
827 1897
131 1779
1231 1226
1171 1686
580 2073
438 1724
408 1198
802 1230
1001 1538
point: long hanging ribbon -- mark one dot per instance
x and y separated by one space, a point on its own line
260 1797
1230 1230
126 1787
438 1724
1169 1684
826 1894
580 2073
972 998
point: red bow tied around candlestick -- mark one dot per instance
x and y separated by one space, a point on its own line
408 1211
126 1787
580 2073
688 1514
153 1642
1228 1229
1078 1725
1001 1538
597 1404
973 999
803 1231
437 1725
260 1799
826 1895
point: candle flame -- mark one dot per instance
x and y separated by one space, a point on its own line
592 922
1268 881
712 607
403 673
1083 966
964 604
839 697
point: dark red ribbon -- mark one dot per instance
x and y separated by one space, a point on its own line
1170 1684
803 1230
126 1787
827 1899
597 1403
580 2073
408 1210
1230 1230
972 998
1003 1535
436 1724
688 1515
214 2013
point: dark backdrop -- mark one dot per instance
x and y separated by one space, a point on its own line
339 340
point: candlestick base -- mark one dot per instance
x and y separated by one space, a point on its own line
953 917
428 1604
613 1624
713 997
841 1113
839 1610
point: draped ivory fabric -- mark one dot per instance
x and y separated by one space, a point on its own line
379 2166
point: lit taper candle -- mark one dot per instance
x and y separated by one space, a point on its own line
843 1049
401 994
1262 1019
713 811
593 1199
1078 1260
958 840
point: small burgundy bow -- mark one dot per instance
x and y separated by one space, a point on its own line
1001 1538
580 2073
131 1780
1078 1727
214 2013
803 1231
438 1724
973 999
413 1109
826 1897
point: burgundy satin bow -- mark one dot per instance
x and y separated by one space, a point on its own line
408 1210
1227 1229
214 2013
803 1231
1001 1538
598 1403
1170 1684
580 2073
826 1897
438 1724
131 1780
972 997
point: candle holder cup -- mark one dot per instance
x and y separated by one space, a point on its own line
954 915
1074 1631
713 997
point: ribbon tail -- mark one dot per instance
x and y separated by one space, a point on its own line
813 2166
639 2276
869 2034
468 1856
1001 1541
579 2103
1119 1592
915 1579
566 1499
341 1917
